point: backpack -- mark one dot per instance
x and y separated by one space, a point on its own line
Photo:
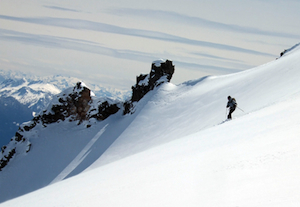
233 101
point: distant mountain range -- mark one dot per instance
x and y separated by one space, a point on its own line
22 96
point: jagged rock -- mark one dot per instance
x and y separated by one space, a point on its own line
3 148
282 53
105 109
288 50
18 137
161 72
74 105
5 159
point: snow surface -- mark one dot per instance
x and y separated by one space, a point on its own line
158 63
176 149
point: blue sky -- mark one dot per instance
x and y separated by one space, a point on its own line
111 42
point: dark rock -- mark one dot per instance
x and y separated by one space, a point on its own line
161 72
18 137
3 148
105 109
5 159
74 105
145 83
282 53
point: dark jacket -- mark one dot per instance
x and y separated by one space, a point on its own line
231 103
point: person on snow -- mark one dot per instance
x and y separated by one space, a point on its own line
231 104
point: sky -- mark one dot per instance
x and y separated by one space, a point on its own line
109 43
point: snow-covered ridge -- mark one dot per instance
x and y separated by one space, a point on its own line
285 52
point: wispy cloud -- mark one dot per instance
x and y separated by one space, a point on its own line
213 57
108 28
205 68
92 47
70 43
198 22
61 8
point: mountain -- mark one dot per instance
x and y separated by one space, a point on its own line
77 109
22 96
12 114
20 99
174 148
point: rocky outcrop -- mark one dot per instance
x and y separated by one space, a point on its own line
73 105
5 159
104 110
161 72
288 50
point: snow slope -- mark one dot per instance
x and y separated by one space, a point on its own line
177 111
175 150
13 114
238 163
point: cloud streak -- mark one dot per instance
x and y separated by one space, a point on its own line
79 24
205 68
213 57
198 22
71 44
61 8
92 47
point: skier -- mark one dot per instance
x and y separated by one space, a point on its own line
232 105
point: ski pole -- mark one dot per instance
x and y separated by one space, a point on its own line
240 109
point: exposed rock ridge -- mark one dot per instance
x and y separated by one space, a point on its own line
161 72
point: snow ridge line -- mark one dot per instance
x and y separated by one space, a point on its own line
79 158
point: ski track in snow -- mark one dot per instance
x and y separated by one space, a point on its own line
79 158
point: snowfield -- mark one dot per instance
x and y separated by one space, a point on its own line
176 149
